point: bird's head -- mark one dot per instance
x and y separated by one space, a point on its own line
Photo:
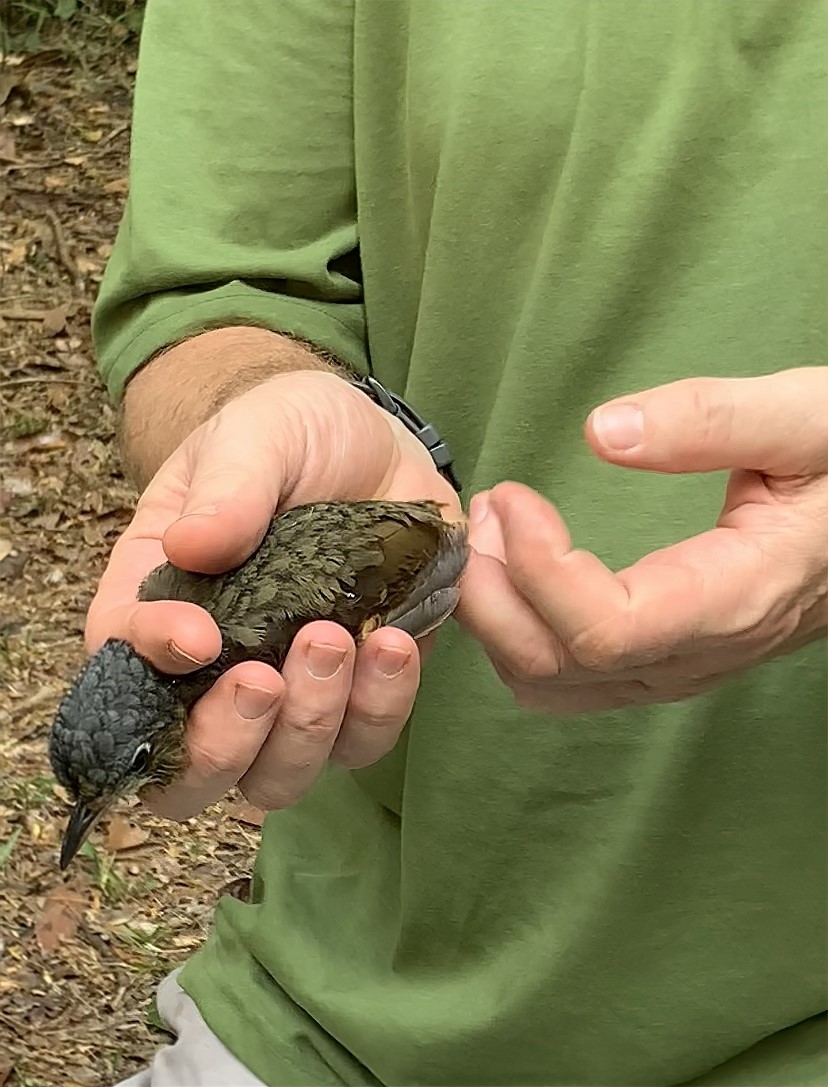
119 728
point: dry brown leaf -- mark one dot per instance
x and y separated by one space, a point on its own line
5 548
62 913
42 443
12 565
54 320
19 486
55 181
85 265
9 80
93 135
118 185
124 835
17 254
246 813
75 160
49 521
8 151
237 888
6 1069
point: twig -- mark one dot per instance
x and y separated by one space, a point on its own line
33 702
23 314
114 134
39 381
39 207
32 165
66 258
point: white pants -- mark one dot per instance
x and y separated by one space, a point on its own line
197 1058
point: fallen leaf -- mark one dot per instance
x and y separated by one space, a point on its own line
123 835
17 254
75 160
5 548
119 185
93 136
41 443
10 80
85 265
24 62
12 565
55 181
54 320
62 912
237 888
20 120
48 521
6 1069
8 151
246 813
18 486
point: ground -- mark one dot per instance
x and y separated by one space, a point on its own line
80 954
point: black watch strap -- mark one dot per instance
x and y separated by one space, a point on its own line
425 432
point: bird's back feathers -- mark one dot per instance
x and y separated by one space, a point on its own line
355 563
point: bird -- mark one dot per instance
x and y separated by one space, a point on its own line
120 726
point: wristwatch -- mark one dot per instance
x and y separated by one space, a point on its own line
423 431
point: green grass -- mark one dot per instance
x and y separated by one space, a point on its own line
114 887
31 792
25 426
7 848
30 25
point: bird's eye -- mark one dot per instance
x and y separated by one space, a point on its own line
140 760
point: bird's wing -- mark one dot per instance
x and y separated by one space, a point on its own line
412 586
356 564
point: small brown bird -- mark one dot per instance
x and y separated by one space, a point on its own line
361 564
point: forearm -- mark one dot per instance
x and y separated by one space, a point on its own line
183 387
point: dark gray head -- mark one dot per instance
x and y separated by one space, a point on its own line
113 734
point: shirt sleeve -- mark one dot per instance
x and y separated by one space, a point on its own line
242 204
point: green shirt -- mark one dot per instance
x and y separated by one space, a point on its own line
519 210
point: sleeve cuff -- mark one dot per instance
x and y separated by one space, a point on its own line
174 316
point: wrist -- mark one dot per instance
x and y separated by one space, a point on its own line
178 390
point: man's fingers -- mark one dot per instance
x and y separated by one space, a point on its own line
385 681
509 630
317 675
176 637
577 598
225 732
776 424
230 498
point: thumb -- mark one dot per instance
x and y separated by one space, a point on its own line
235 478
777 424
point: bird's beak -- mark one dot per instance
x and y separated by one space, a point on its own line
81 821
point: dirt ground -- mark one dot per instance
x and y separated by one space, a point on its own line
79 955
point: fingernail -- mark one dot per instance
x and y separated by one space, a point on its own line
324 661
391 660
618 426
252 702
479 508
178 653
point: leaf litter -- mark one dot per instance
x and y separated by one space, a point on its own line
80 953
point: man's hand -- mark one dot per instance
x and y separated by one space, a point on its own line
567 635
294 438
